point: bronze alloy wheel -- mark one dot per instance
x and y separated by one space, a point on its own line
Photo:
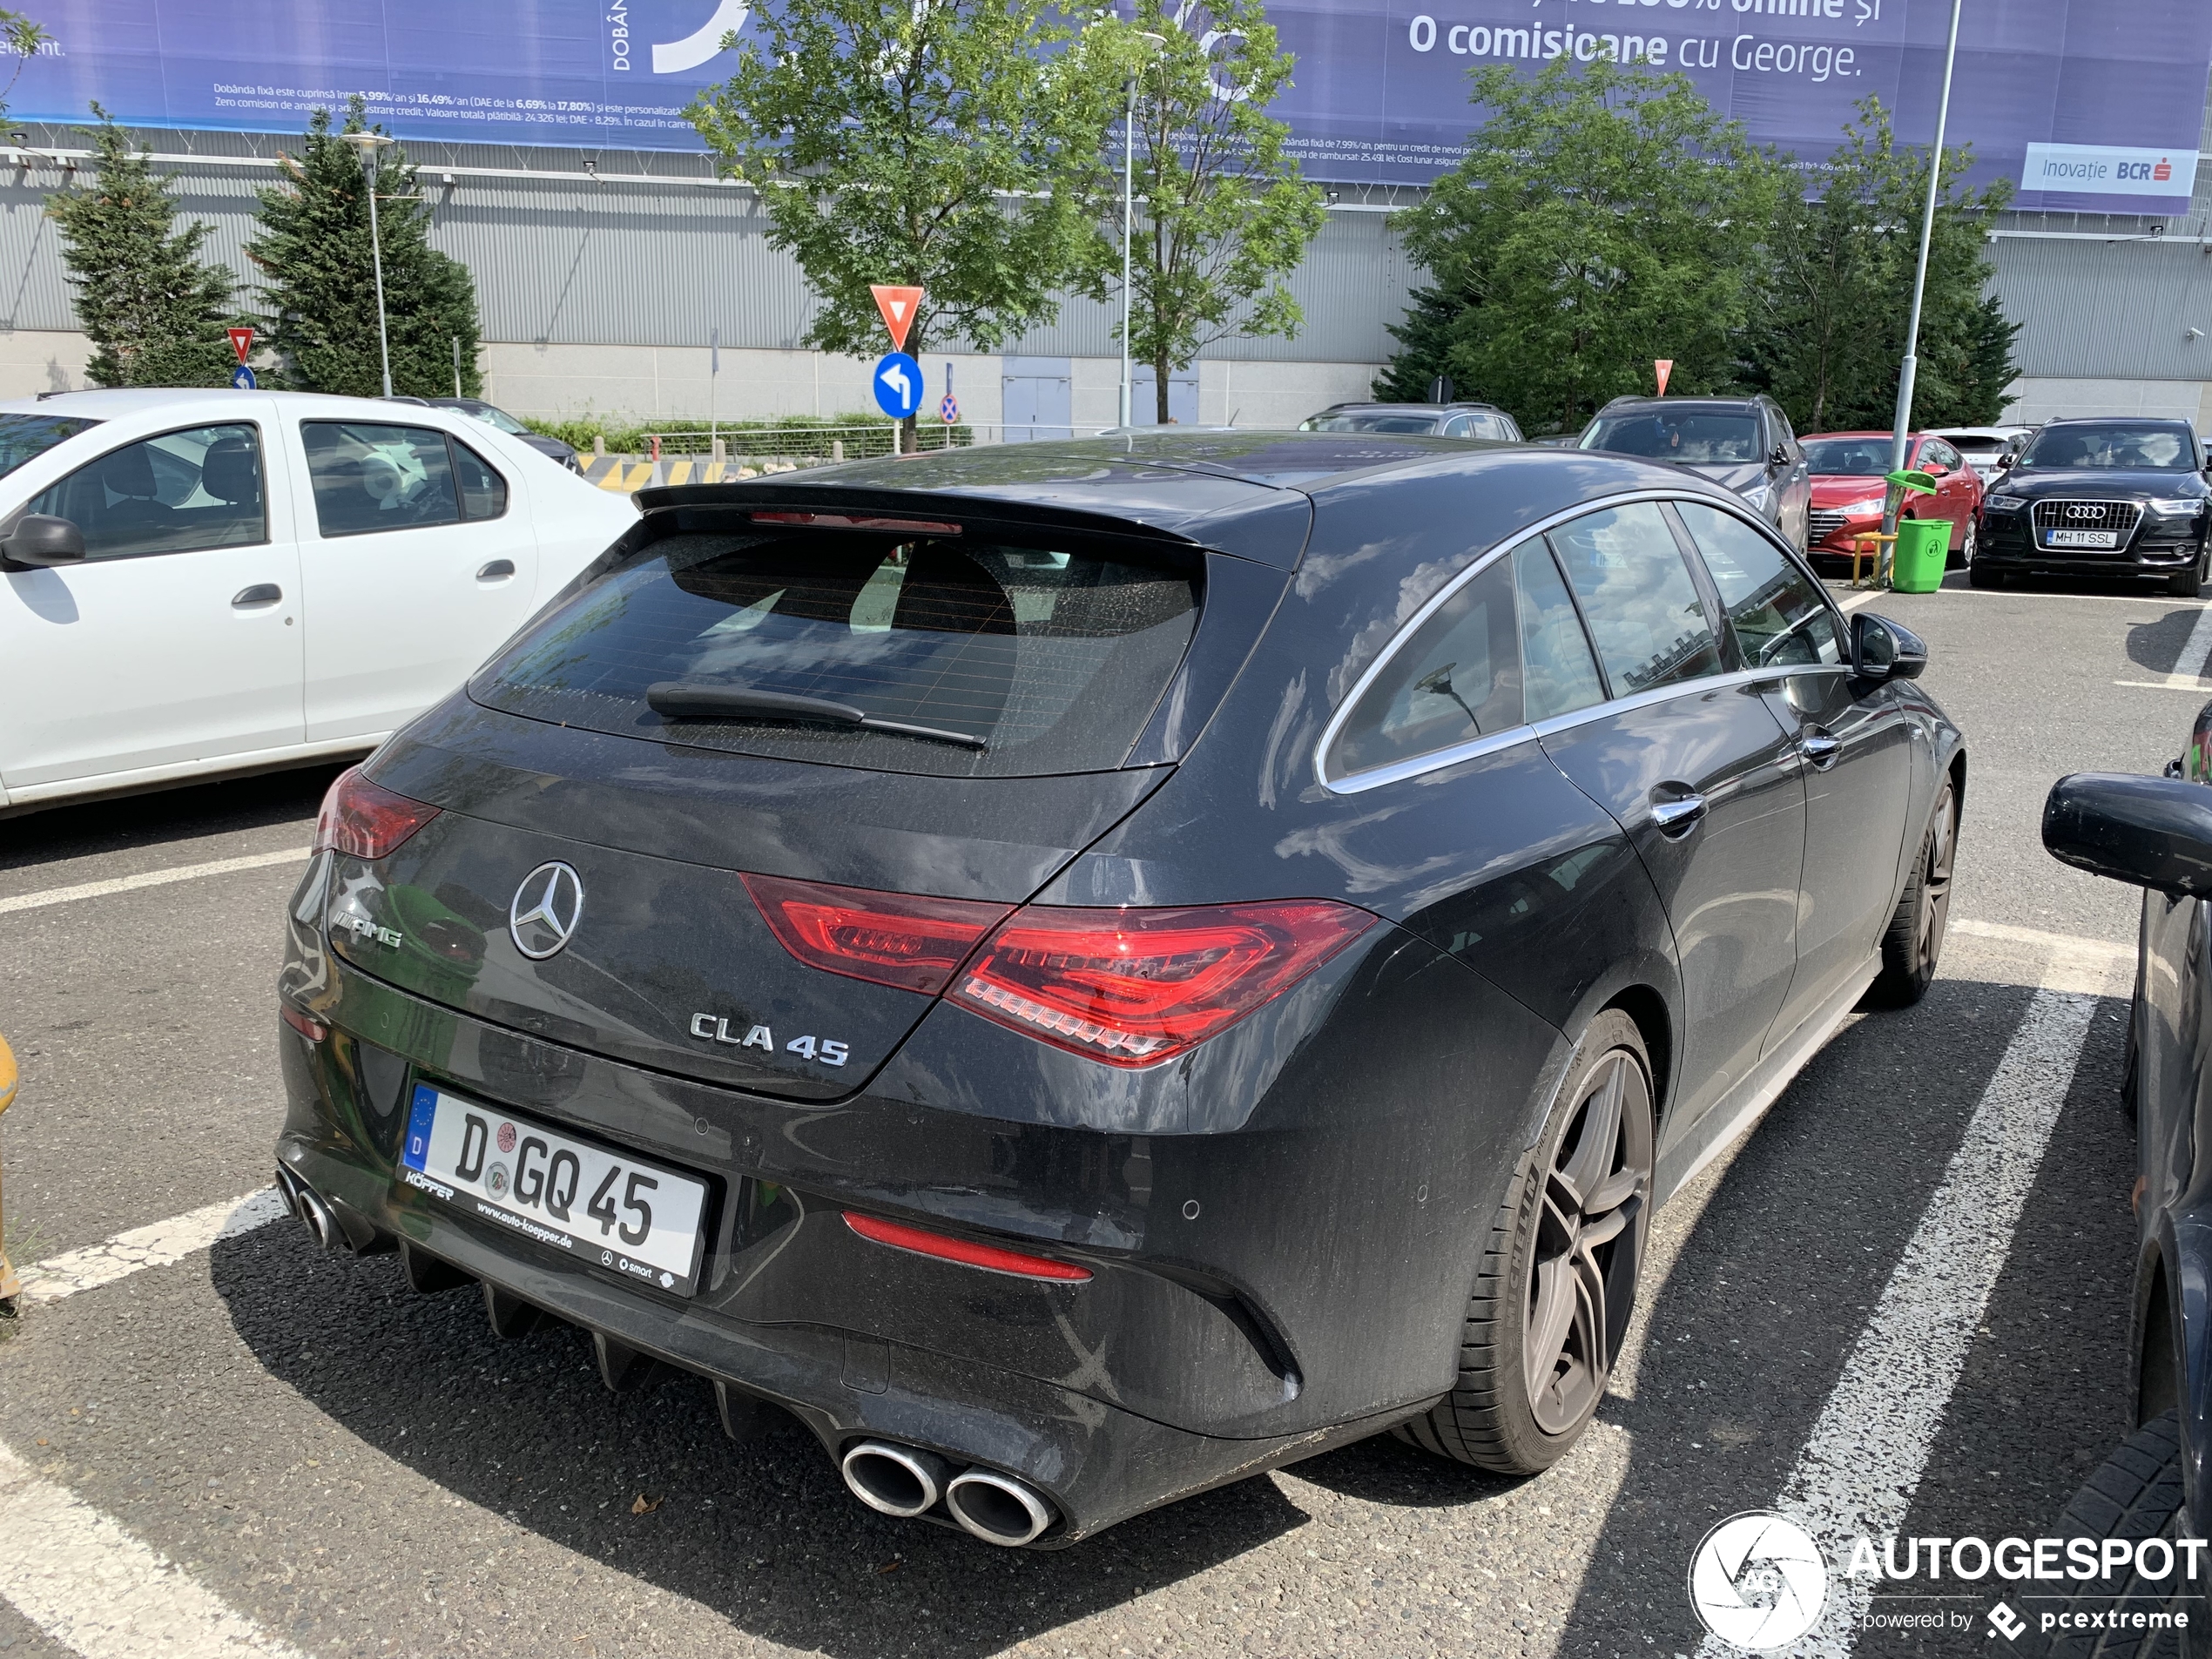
1589 1236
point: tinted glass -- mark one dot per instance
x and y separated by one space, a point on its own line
1979 445
2115 445
499 419
23 436
1935 452
1848 457
1458 678
1372 420
1695 437
372 478
483 492
1649 624
1776 612
178 493
1558 674
1053 659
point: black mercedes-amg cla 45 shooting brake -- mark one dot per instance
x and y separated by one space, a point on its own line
1084 972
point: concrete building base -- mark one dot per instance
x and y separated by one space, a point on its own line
2035 401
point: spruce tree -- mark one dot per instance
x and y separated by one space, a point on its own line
1424 351
321 282
153 311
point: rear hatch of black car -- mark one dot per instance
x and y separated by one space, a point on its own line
798 763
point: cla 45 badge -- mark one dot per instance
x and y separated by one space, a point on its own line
715 1029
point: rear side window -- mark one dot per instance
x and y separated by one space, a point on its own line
180 493
1458 678
1001 660
1779 615
1642 604
370 477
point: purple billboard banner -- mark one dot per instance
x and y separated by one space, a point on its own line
2103 97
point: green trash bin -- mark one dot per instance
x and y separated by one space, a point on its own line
1923 548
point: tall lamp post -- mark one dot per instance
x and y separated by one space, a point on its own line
367 145
1129 210
1910 368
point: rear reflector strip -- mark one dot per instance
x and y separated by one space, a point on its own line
964 1252
311 1029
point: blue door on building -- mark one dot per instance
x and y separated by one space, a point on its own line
1036 397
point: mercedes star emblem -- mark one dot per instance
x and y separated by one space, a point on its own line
546 909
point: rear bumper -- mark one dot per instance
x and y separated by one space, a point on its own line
1259 1295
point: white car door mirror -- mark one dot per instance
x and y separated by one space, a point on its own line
38 540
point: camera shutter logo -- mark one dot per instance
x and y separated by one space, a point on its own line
546 908
1758 1581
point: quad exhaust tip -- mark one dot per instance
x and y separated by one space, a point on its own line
901 1480
997 1508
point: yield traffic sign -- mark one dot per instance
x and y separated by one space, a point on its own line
898 307
898 385
241 341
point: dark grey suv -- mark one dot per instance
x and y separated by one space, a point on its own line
1434 420
1742 443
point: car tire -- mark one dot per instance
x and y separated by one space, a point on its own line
1964 555
2187 584
2136 1494
1913 945
1544 1275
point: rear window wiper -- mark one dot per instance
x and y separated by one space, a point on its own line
692 700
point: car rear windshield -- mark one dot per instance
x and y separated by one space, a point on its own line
2119 447
1012 660
25 437
1411 420
1695 437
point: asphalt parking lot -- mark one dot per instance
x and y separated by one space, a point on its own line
1903 1297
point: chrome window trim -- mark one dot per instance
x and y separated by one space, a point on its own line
1413 765
1568 722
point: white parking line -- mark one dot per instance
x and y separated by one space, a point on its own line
101 1592
150 879
2073 943
1858 1472
159 1245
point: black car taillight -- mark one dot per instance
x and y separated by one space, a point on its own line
364 821
899 938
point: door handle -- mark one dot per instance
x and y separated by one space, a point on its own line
261 593
1679 816
1820 747
496 569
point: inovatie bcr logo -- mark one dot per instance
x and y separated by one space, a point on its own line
1758 1581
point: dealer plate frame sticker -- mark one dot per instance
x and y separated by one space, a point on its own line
629 1216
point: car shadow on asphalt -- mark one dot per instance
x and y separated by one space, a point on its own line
161 816
762 1532
1753 1328
2157 645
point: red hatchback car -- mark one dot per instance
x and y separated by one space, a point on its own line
1847 472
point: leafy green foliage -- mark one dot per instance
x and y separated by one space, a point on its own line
1424 347
315 251
1222 214
1605 216
1840 296
153 310
952 144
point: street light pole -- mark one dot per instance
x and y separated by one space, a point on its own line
1129 211
367 144
1910 368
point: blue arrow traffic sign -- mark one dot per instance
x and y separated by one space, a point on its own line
242 378
898 385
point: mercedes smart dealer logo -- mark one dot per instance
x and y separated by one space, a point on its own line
1758 1581
547 907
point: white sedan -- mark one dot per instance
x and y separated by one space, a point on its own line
206 582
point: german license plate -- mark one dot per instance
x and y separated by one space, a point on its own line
639 1220
2081 538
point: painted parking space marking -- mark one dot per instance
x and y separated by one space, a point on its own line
2073 943
150 879
90 1586
1861 1468
162 1244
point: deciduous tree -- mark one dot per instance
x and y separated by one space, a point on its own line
1605 215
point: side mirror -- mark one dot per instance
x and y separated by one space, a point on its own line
1779 455
36 540
2153 832
1882 650
2004 461
1935 470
